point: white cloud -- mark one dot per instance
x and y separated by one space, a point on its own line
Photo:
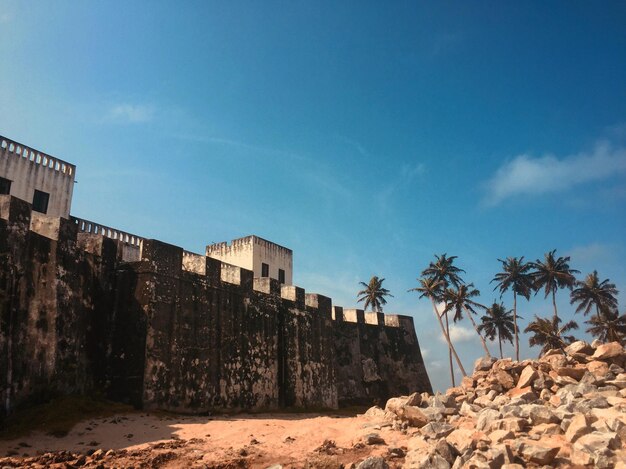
593 252
527 175
460 334
131 113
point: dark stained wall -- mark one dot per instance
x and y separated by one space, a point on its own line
76 318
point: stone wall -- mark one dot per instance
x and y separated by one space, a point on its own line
78 315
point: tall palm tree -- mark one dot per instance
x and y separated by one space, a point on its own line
548 334
608 326
593 292
444 270
498 322
516 276
374 294
551 274
460 299
431 288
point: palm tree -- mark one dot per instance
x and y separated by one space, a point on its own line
551 274
374 294
430 288
548 334
447 274
591 292
459 300
608 326
498 322
444 270
516 276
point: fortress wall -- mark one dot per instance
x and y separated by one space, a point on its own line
159 333
375 362
226 345
53 301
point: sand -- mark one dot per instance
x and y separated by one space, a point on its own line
255 441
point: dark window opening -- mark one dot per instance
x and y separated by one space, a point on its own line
281 276
5 186
40 201
265 270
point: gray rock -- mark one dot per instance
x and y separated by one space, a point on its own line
596 441
537 454
436 430
577 427
484 364
446 451
373 439
374 462
540 414
485 418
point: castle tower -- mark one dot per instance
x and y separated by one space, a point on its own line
42 180
264 258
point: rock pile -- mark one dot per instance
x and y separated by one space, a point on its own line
565 409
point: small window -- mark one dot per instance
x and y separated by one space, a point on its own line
40 201
5 186
265 270
281 276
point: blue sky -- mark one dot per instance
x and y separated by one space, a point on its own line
366 136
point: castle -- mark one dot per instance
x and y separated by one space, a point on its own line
86 308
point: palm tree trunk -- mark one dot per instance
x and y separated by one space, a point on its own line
447 337
469 314
500 342
556 316
515 324
450 352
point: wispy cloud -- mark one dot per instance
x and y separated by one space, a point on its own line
354 144
406 175
594 252
460 334
130 113
530 176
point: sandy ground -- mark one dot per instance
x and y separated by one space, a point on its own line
256 441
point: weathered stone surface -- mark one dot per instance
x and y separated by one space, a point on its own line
461 439
484 363
610 350
436 430
374 462
527 377
485 418
578 426
537 454
572 372
414 416
595 442
498 436
580 346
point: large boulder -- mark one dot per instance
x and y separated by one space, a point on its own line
527 377
610 350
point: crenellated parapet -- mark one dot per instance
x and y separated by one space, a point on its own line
162 327
36 177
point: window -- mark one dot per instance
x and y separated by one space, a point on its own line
281 276
40 201
5 186
265 270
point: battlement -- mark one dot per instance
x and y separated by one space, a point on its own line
263 257
19 150
86 226
44 181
